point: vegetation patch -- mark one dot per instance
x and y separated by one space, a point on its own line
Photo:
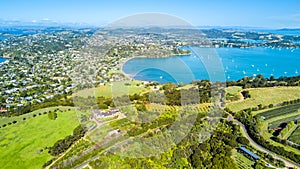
113 89
242 161
295 136
233 93
25 144
280 111
266 96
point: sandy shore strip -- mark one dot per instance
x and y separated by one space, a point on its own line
126 60
129 58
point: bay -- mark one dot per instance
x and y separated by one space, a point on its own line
202 63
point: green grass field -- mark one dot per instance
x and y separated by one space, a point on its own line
266 96
116 89
21 143
233 93
281 111
77 149
5 120
295 136
278 115
275 122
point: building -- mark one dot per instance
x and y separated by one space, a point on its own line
249 153
114 132
111 113
3 110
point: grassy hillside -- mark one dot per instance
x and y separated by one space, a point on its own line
117 88
5 120
22 145
294 137
233 93
266 96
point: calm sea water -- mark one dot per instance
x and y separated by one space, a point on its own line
293 32
216 64
2 60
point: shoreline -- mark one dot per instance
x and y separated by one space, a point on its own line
134 57
121 67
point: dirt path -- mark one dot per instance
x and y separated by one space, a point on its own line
237 101
98 124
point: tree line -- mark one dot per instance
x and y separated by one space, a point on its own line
251 124
260 81
62 145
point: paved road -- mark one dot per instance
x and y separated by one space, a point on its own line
257 146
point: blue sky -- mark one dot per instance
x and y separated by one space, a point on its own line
256 13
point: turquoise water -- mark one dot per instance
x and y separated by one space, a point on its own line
216 64
293 32
2 60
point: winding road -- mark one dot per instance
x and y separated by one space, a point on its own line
258 147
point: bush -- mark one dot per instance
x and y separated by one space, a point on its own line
242 140
103 106
52 115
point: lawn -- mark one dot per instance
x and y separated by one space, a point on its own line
115 89
22 145
5 120
295 136
266 96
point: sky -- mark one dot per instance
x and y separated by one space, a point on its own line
252 13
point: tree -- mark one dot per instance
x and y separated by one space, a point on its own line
52 115
242 140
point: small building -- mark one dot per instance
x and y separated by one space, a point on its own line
114 132
3 110
248 152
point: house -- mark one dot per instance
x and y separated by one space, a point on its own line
111 113
3 110
114 132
